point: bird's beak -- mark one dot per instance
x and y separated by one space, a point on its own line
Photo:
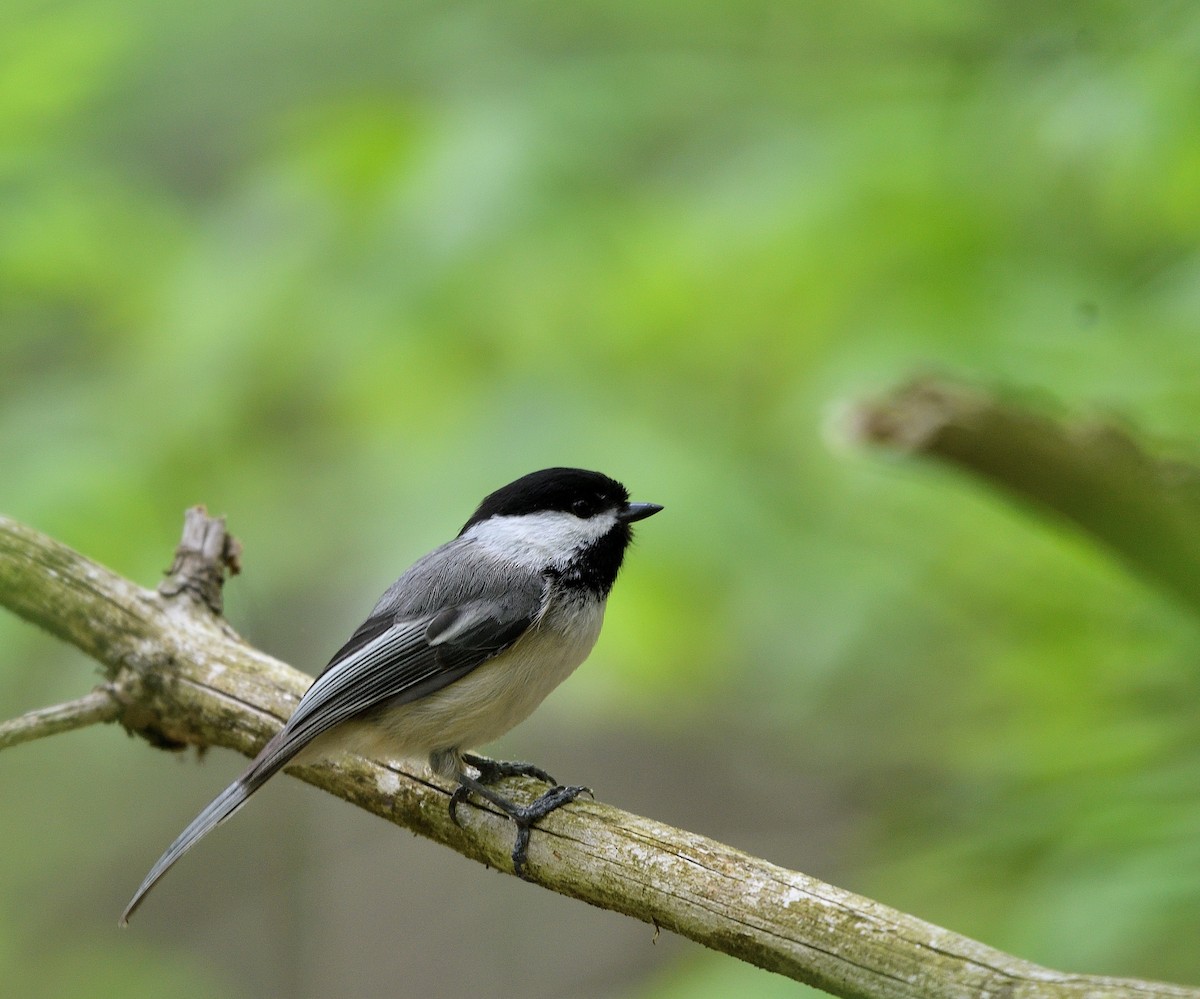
637 511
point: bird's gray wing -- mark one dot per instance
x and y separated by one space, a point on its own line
438 622
455 609
401 661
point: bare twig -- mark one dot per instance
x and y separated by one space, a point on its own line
186 678
98 706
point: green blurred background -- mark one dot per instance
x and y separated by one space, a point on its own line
337 270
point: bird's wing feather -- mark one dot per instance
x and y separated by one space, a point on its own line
404 661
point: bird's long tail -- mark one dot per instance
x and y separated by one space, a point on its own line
275 754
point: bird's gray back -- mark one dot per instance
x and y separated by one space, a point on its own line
461 572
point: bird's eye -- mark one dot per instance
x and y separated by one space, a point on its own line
581 508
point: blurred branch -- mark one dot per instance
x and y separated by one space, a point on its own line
98 706
1095 475
184 677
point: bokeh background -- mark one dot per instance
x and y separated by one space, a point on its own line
337 270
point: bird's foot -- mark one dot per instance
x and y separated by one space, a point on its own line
492 771
527 815
523 816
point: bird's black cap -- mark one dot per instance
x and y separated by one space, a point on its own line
570 490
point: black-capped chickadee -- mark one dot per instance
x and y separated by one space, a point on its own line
460 649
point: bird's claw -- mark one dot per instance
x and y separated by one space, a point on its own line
461 793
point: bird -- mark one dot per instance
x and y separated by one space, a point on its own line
459 650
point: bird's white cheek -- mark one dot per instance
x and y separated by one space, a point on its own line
541 538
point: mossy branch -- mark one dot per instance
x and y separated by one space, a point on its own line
178 675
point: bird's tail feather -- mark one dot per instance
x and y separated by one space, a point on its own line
275 754
218 810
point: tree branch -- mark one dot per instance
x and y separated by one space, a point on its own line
1093 474
183 677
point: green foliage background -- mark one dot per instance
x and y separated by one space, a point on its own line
337 270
